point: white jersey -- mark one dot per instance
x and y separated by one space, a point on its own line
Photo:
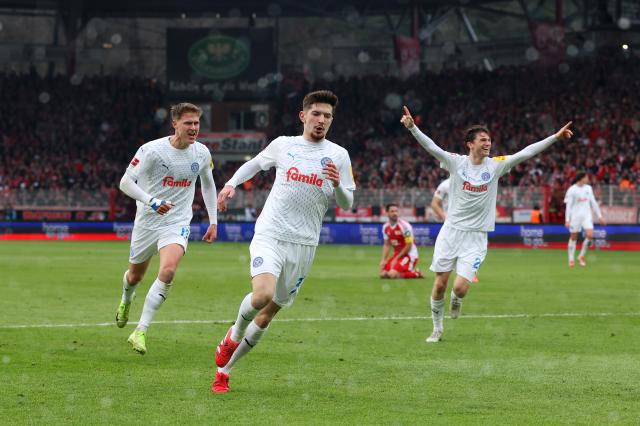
580 201
473 191
170 174
442 193
300 195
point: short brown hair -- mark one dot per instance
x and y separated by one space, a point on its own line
320 96
178 109
471 132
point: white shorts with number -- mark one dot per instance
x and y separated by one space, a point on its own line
289 262
578 223
463 250
147 242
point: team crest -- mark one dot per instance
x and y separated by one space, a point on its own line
257 262
325 161
486 176
195 167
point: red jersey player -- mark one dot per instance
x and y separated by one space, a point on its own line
398 234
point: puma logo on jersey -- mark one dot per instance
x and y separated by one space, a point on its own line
169 181
294 174
474 188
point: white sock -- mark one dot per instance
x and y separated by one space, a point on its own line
251 338
571 247
585 247
246 314
437 313
157 294
128 290
456 298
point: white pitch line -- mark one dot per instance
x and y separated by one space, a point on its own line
389 318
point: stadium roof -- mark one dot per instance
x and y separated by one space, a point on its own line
170 8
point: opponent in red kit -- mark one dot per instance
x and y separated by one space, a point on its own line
399 235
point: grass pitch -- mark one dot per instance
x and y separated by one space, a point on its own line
537 343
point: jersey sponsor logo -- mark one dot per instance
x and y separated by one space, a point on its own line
134 162
195 167
170 181
325 161
466 186
486 176
294 174
257 262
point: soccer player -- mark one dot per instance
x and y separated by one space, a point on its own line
462 241
580 200
162 178
398 233
438 203
309 170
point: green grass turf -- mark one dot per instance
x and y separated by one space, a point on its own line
533 369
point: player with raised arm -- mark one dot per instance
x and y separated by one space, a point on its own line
440 199
462 242
309 170
162 178
580 201
399 241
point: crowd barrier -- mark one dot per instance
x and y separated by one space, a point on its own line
611 237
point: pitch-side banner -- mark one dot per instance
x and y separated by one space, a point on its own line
234 142
222 64
616 237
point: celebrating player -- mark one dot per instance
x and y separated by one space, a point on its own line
309 170
462 241
398 234
162 178
440 199
580 200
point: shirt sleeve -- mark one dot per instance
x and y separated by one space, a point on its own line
509 161
346 174
568 200
407 233
594 204
447 159
141 163
268 157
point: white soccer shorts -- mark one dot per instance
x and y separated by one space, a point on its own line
578 223
147 242
288 262
463 250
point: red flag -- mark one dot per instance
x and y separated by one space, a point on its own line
408 55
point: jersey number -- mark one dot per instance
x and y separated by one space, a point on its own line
184 232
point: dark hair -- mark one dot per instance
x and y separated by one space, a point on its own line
320 96
471 132
178 109
388 206
579 177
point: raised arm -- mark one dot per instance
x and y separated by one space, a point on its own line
536 148
425 141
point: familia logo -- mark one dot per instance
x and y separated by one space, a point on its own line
169 181
473 188
294 174
219 57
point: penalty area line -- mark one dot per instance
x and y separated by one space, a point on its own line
372 318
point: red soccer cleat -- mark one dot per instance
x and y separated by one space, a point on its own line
571 263
582 261
225 349
220 383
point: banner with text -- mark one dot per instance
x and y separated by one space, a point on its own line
224 64
234 142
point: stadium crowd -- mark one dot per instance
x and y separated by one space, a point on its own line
78 134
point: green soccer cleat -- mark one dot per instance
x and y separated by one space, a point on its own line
138 342
122 314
